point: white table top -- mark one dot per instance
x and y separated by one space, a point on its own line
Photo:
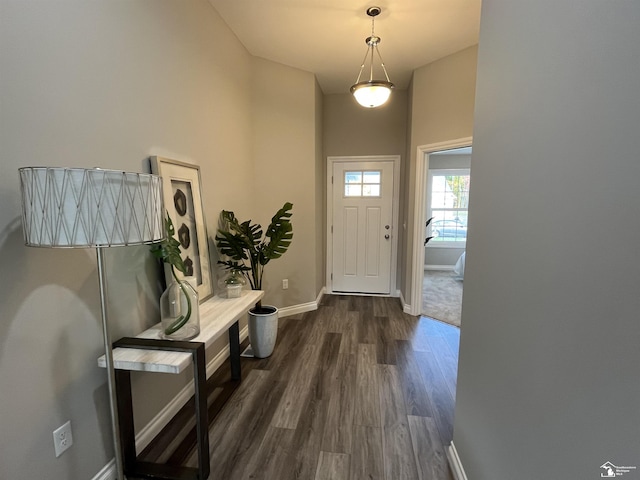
217 314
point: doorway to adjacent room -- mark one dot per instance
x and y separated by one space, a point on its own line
442 188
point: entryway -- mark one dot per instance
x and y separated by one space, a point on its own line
442 179
446 217
362 211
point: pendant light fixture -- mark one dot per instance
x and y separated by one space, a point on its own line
372 93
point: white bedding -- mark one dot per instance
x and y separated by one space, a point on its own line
459 268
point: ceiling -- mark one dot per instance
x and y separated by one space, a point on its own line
327 37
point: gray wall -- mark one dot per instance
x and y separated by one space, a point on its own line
350 129
442 98
285 153
548 382
108 84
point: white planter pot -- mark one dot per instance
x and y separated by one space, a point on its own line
263 331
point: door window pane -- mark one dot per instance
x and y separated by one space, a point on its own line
353 190
371 190
353 177
362 184
371 177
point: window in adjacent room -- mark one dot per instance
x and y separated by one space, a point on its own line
448 203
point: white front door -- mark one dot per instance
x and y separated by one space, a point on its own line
362 226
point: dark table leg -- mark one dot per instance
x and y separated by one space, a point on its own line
138 469
234 351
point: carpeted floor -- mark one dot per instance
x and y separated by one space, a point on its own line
442 296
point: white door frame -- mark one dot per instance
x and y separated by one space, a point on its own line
394 232
422 171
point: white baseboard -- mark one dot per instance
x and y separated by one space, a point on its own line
155 426
108 472
455 463
295 309
301 308
406 308
321 293
439 267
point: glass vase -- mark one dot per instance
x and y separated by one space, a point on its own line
179 312
232 283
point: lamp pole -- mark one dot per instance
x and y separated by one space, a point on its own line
111 375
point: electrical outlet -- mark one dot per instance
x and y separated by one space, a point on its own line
285 283
62 438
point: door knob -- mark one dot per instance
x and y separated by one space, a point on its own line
386 227
386 236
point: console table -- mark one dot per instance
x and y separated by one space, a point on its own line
148 352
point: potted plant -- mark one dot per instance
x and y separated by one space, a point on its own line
179 302
426 240
248 251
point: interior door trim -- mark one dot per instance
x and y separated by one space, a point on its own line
395 214
416 263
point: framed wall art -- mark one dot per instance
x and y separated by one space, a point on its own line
183 202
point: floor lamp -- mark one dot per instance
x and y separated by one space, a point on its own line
82 208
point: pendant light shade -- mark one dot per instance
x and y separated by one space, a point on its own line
372 93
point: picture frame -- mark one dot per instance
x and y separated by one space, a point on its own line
182 197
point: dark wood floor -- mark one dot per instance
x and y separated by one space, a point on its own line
355 390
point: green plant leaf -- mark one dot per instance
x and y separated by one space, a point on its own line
168 249
243 241
233 246
426 240
280 234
